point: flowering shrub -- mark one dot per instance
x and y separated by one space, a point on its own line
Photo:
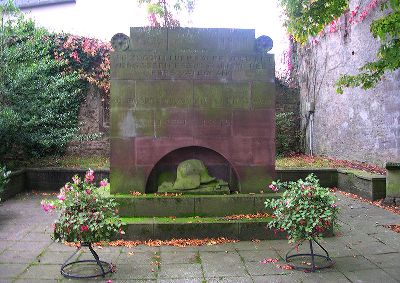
305 211
89 57
86 215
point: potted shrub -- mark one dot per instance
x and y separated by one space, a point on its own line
306 211
86 216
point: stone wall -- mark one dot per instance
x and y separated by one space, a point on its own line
91 120
362 125
95 130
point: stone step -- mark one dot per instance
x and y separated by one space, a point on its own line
191 205
198 228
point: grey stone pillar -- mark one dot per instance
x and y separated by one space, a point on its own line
392 183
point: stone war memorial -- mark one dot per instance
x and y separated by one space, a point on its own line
192 111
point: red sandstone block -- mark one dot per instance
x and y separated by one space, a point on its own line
150 150
123 152
256 123
174 122
212 123
207 155
263 151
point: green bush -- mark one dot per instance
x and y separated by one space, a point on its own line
39 101
288 137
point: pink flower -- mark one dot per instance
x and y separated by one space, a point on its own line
67 188
76 180
74 55
47 207
103 183
273 188
61 197
334 205
89 177
88 191
84 228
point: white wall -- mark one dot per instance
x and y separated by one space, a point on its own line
95 18
104 18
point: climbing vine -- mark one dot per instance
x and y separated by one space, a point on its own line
313 19
307 18
387 30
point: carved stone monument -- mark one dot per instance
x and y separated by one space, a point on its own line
189 93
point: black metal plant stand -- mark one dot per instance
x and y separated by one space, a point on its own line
105 267
313 267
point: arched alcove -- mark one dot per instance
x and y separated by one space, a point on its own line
165 169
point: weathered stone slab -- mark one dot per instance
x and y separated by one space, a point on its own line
210 90
211 39
393 183
367 185
146 38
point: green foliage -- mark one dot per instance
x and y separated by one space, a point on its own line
387 30
39 101
305 18
87 214
288 136
305 210
4 178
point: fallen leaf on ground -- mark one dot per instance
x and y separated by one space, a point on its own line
285 267
269 260
378 203
159 243
393 227
246 216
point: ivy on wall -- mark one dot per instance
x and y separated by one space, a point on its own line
43 78
387 30
309 19
39 104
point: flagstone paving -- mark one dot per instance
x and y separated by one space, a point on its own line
365 251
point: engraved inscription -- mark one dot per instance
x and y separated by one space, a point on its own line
184 65
216 123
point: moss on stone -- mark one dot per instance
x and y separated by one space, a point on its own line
192 176
188 220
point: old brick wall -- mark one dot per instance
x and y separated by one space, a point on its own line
362 125
92 126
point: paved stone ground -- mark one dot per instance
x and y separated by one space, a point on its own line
366 252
